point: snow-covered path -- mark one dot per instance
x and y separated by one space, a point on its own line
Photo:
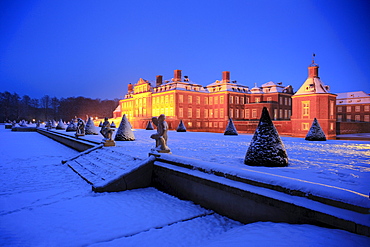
44 203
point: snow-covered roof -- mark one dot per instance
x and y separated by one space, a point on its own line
358 97
272 87
313 85
218 86
118 108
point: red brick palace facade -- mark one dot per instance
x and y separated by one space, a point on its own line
208 108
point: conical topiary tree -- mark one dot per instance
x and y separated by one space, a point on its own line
90 128
230 128
266 147
53 124
124 132
113 125
149 126
72 126
181 127
60 125
315 133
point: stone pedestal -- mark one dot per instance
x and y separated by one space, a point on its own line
109 143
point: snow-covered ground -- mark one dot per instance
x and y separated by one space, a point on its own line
44 203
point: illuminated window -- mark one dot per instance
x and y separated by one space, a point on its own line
198 113
269 99
331 126
198 100
171 111
285 114
171 98
181 113
242 100
211 113
181 98
190 113
221 113
257 100
231 113
215 125
357 108
237 113
242 113
331 110
190 99
231 99
198 124
247 113
221 124
280 113
162 99
166 99
205 100
205 113
275 114
166 111
254 113
216 113
305 108
221 99
216 100
190 124
210 124
236 100
305 126
206 124
211 100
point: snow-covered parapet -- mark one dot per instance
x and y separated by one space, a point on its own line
181 127
266 147
149 126
90 128
315 133
230 128
60 125
124 132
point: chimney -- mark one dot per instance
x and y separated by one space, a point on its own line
158 80
313 71
225 76
177 75
129 88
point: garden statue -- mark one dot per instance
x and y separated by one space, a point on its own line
106 130
107 133
80 131
161 135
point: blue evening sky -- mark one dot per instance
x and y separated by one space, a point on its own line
95 48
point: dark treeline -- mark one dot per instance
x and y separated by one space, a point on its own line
15 107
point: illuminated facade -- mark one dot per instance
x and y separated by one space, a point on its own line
208 108
203 108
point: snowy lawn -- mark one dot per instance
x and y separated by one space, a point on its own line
44 203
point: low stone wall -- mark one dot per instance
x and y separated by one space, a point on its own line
251 202
352 127
70 141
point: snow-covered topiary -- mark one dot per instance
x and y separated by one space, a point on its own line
266 147
149 126
181 127
230 128
72 126
124 132
101 124
113 125
53 124
90 128
60 125
315 133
